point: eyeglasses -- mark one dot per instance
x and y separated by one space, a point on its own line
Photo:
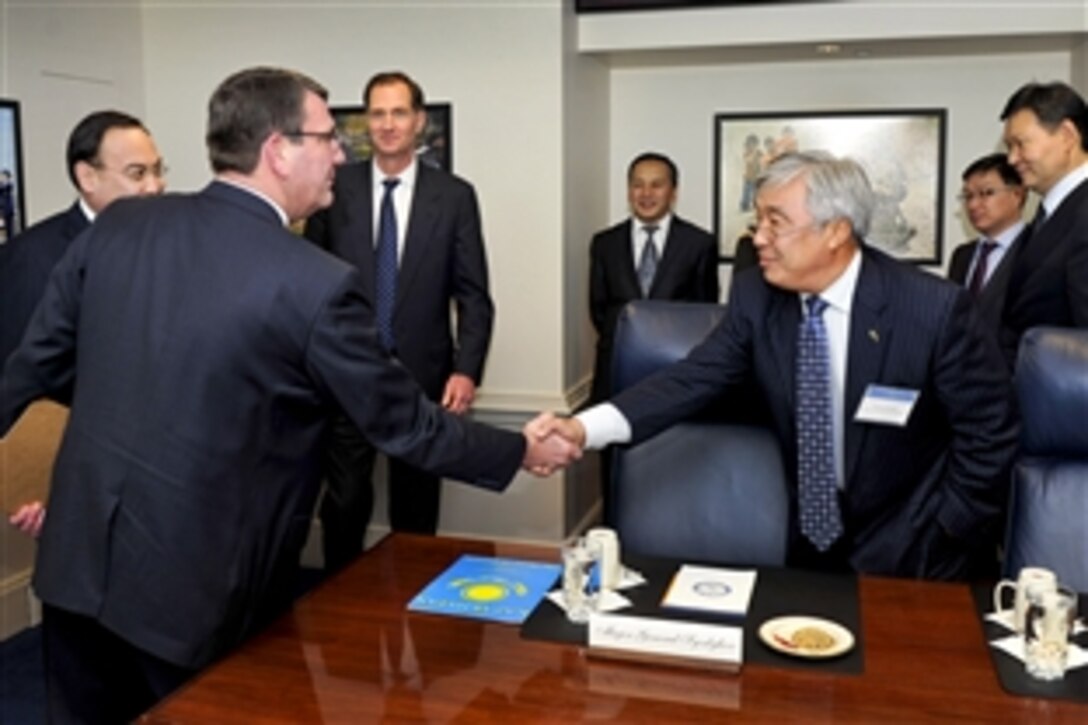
331 137
138 173
777 228
983 194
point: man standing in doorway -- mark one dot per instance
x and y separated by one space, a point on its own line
414 233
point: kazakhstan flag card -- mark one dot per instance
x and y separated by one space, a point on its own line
481 587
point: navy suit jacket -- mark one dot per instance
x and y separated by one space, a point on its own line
1049 280
991 302
914 496
687 271
25 264
206 348
443 260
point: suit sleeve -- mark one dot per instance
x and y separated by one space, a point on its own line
44 365
684 388
977 396
707 270
388 406
1076 273
471 294
598 285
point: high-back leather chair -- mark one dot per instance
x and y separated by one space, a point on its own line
703 490
1048 510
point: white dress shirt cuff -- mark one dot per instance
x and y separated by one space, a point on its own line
604 425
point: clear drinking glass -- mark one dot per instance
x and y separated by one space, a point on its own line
1047 629
578 594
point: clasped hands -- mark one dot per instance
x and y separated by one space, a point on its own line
552 442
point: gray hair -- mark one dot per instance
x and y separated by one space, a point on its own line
837 188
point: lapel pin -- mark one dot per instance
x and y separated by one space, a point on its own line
874 335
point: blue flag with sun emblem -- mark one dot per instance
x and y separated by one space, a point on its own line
481 587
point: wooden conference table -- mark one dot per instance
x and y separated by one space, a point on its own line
350 652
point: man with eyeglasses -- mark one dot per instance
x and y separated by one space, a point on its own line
993 197
110 155
414 233
203 348
892 409
1046 132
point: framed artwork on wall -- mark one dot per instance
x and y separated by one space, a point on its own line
12 201
902 152
435 147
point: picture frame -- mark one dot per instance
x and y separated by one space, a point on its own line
12 197
435 143
901 150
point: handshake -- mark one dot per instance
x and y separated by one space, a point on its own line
551 443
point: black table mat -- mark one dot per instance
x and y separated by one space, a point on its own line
1011 674
778 592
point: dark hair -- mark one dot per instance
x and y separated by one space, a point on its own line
248 107
386 78
994 162
85 141
674 175
1051 103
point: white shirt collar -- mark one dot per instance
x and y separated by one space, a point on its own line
260 195
1064 187
840 293
407 176
1005 239
86 209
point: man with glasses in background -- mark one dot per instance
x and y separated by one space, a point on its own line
110 155
893 412
993 197
414 233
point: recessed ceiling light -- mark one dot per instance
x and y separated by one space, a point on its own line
829 49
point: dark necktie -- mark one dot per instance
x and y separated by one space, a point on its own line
978 276
385 270
821 522
647 263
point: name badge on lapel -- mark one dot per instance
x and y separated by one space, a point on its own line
886 405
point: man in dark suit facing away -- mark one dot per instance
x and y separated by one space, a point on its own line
110 155
203 348
1046 131
413 232
891 406
653 254
993 197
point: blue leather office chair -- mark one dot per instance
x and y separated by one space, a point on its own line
703 490
1048 511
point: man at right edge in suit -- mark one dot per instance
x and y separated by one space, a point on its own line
203 349
890 404
993 197
437 261
1046 132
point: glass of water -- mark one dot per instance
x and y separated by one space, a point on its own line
579 596
1047 628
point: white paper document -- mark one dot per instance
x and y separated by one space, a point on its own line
711 589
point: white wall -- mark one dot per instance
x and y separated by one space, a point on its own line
972 88
62 61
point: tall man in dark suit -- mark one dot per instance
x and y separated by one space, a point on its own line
110 155
890 403
1046 131
203 349
993 196
434 257
653 254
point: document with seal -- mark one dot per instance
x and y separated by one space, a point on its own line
711 589
886 405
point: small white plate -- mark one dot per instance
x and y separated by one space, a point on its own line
777 634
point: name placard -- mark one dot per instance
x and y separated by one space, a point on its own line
666 641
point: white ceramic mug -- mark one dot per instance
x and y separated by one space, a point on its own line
1031 578
609 547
